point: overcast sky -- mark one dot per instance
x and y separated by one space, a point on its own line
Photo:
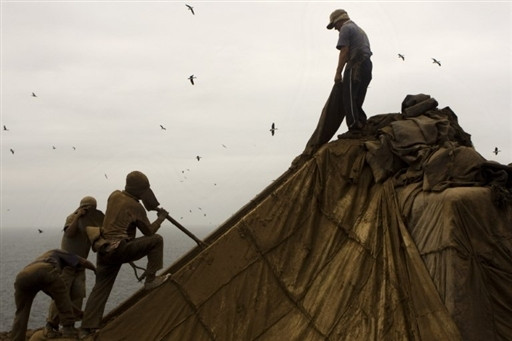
108 74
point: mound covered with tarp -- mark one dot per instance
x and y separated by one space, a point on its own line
399 232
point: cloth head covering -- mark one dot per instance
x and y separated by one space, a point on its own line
337 15
88 201
137 184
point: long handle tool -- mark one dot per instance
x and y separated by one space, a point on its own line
187 232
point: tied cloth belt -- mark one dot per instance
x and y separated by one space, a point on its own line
100 244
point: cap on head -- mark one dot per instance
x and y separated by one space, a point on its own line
337 15
88 201
137 184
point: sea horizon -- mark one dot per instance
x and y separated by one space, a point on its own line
20 246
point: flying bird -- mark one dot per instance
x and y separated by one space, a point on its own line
53 147
12 151
496 150
273 128
435 61
34 95
5 128
191 79
199 158
223 145
40 231
74 148
162 127
190 8
401 56
106 176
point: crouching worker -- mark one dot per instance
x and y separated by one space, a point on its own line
44 274
117 244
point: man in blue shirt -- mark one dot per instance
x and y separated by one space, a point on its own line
354 57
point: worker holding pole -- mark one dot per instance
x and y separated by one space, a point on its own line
117 244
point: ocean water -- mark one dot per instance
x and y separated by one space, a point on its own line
19 247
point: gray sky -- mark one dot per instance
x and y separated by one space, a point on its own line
107 74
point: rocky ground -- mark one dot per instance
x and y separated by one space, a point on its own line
4 336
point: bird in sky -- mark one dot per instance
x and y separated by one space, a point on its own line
5 128
191 79
496 150
273 128
401 56
106 176
190 8
74 148
34 95
435 61
199 158
223 145
53 147
162 127
40 231
12 151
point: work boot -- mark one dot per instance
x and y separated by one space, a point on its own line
84 333
156 281
50 331
69 331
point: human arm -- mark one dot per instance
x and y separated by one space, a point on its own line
87 264
71 227
342 60
148 228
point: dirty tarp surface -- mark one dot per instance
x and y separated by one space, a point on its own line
345 249
326 256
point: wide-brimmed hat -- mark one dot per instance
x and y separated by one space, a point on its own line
337 15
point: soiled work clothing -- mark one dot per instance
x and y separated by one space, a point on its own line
108 265
43 275
74 279
124 214
80 245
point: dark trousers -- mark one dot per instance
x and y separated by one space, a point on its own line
75 282
107 268
356 79
32 279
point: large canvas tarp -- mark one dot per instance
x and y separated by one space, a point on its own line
401 234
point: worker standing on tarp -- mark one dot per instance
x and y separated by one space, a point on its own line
118 245
348 93
354 57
